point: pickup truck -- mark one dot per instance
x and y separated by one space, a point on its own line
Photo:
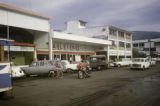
69 67
124 62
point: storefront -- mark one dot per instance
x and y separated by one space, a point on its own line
71 47
22 26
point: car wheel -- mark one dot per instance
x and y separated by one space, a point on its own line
118 65
51 74
80 75
69 70
143 68
99 67
7 95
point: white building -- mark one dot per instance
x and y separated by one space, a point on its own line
121 39
70 46
24 27
148 46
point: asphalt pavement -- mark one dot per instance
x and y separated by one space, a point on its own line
111 87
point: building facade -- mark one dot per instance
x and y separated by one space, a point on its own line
23 27
148 46
121 39
70 47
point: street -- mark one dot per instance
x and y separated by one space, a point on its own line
111 87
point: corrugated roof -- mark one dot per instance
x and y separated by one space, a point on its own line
23 11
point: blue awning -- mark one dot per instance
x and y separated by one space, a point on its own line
6 43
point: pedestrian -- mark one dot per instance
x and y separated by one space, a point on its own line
59 69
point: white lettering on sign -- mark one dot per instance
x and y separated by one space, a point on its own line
66 46
19 48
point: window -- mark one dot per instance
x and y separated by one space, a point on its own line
121 34
112 32
147 49
128 45
135 45
113 43
141 44
128 35
157 43
121 44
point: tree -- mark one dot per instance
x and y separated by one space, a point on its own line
137 54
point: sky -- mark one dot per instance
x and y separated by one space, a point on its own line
132 15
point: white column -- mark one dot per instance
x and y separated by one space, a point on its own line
60 56
131 46
117 45
108 53
50 34
35 54
125 48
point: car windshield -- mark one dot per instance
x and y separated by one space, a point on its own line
138 60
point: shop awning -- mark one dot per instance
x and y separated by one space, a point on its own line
5 42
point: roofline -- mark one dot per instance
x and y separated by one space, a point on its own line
77 38
24 11
110 26
146 40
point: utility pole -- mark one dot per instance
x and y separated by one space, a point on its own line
149 41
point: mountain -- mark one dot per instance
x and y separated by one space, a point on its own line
140 35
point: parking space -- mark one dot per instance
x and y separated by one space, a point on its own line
105 87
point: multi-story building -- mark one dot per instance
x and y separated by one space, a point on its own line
121 39
23 27
148 46
69 46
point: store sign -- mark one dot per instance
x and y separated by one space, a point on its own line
19 48
63 46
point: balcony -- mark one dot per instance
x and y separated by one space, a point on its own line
121 38
121 48
128 49
112 37
113 47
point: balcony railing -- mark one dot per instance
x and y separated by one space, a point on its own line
112 37
121 48
121 38
113 47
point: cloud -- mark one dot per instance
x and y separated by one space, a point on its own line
128 14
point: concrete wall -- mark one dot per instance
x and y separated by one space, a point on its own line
41 40
23 21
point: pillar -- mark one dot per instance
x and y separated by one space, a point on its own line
35 55
108 53
50 34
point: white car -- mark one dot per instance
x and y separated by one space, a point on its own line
140 63
152 61
16 71
69 67
124 62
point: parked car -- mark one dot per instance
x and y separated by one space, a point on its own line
43 67
124 62
98 62
17 72
69 67
140 63
152 61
